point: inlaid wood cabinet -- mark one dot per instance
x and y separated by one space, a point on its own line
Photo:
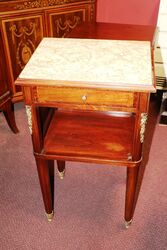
24 23
6 105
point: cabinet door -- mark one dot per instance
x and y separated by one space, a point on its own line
61 21
21 36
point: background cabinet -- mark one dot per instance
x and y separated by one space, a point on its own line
24 23
6 104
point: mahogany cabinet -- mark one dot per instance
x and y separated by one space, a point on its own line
24 23
6 105
87 101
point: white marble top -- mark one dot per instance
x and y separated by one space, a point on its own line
111 63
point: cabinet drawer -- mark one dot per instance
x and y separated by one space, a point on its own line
85 97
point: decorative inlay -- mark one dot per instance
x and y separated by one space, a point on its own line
25 47
23 31
24 52
42 3
29 116
67 25
59 2
143 122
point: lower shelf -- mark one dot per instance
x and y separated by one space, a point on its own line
90 135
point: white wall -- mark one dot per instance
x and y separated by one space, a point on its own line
161 50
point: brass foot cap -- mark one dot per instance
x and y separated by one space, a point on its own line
50 216
61 174
128 223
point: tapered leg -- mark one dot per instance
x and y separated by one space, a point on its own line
51 174
8 111
61 168
44 167
131 193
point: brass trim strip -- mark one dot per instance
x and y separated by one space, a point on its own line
143 122
29 116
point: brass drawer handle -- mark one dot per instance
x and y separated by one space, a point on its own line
84 98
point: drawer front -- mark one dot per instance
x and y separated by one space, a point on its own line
88 98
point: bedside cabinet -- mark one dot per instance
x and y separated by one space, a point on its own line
87 101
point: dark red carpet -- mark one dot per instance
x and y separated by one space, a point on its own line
89 202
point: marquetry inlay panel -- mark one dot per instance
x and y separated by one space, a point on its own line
63 22
22 37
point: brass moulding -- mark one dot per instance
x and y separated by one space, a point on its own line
129 157
128 223
143 123
61 174
50 216
29 117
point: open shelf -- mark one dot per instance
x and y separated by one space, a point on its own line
90 134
